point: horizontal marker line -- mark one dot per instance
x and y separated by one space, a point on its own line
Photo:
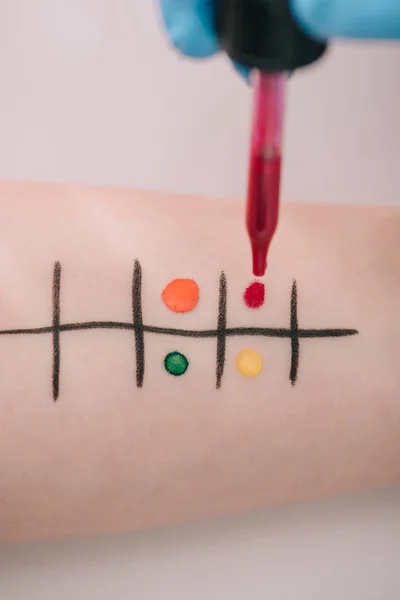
206 333
27 331
321 333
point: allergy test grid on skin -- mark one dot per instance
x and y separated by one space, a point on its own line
182 296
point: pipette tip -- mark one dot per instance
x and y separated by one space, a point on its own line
259 260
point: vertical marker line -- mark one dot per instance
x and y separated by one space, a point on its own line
138 322
294 330
56 330
221 330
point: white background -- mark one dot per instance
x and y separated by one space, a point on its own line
91 93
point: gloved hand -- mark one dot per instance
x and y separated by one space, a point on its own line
190 22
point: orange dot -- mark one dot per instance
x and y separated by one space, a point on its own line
181 295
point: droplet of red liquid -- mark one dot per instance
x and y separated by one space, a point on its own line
254 296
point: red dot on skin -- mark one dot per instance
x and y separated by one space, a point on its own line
254 296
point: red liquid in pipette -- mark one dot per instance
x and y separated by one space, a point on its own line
263 207
265 166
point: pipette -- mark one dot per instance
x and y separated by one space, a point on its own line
264 36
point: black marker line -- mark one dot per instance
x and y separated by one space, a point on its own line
326 333
294 329
56 330
138 322
31 331
195 333
100 325
221 330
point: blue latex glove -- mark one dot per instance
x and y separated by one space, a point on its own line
190 22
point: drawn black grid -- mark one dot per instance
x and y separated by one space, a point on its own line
221 333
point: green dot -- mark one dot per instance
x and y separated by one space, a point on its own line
176 363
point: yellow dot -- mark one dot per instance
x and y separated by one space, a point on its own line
249 362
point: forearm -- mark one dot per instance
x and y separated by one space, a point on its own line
96 435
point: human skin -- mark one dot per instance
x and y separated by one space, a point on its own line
108 456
